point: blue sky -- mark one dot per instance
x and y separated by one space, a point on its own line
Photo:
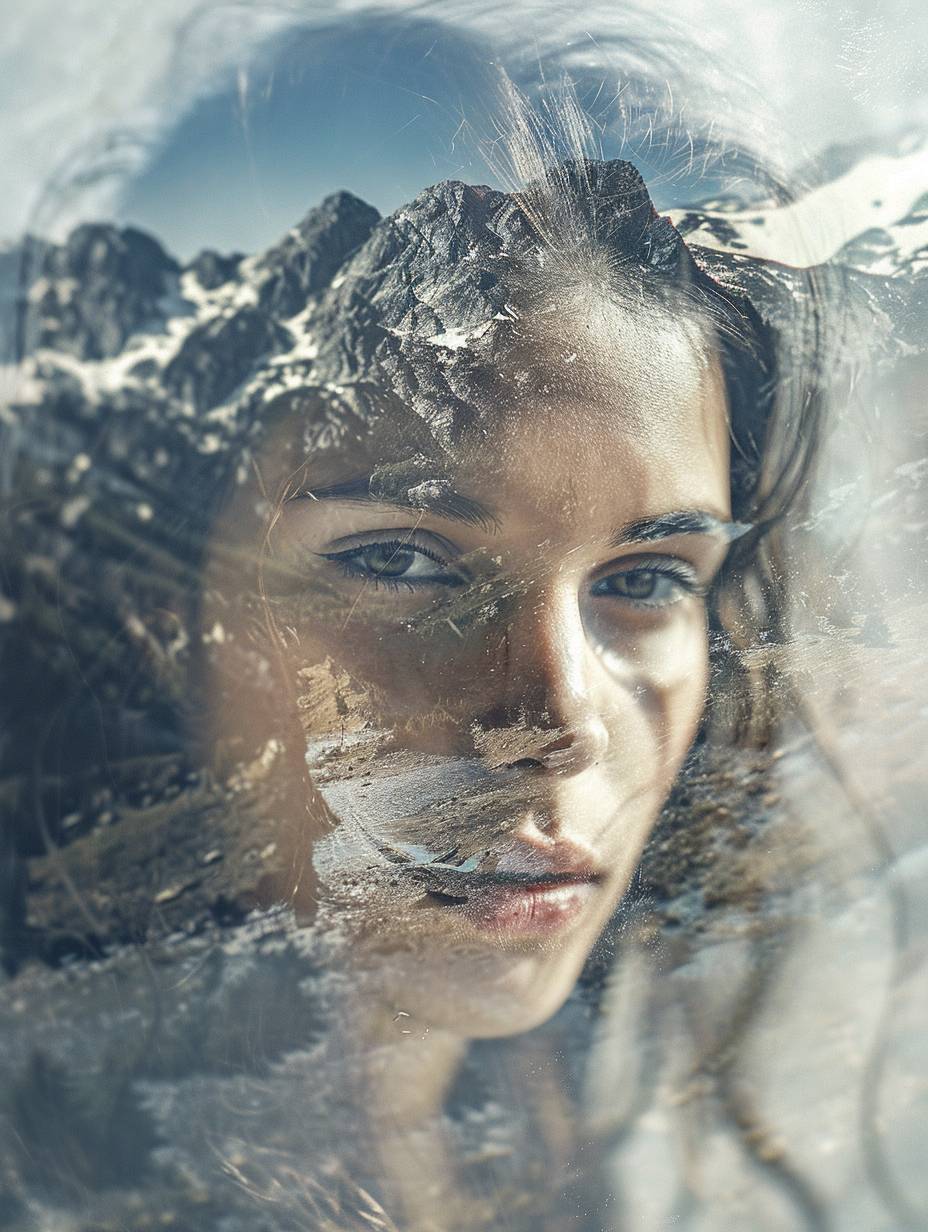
227 120
349 107
375 104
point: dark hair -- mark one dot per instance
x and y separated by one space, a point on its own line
596 222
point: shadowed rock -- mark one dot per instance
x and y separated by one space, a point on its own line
97 289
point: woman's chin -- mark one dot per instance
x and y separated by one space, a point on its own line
480 996
505 1013
498 963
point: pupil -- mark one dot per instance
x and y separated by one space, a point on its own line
638 585
388 561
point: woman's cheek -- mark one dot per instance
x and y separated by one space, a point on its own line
383 674
388 673
663 667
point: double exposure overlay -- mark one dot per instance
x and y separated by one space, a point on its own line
462 656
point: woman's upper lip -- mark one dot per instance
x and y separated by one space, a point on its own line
535 864
526 868
448 874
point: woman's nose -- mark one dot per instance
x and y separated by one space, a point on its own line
545 709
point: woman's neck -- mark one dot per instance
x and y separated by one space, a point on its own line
408 1064
404 1069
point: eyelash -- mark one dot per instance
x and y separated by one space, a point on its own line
345 561
676 571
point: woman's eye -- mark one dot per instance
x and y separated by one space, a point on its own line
386 561
648 586
394 563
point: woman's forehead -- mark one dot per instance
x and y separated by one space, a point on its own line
614 376
648 435
624 364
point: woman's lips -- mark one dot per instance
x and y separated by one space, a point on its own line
511 905
527 910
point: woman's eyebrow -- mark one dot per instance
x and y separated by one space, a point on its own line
678 522
420 494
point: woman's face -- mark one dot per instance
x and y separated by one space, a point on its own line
501 668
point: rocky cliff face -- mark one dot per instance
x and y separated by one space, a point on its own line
132 380
138 387
107 289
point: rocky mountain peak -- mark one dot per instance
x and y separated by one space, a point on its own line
307 258
99 287
212 269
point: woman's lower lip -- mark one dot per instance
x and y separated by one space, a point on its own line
522 910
